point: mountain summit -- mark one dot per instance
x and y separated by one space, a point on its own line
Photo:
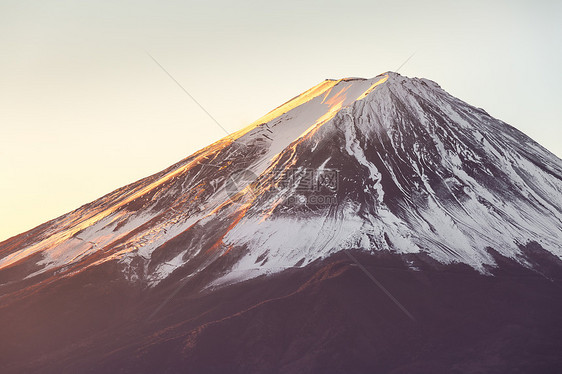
413 170
393 169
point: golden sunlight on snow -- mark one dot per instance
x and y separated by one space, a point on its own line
364 94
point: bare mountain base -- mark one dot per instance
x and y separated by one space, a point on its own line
328 317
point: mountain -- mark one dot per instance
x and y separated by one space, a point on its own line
366 225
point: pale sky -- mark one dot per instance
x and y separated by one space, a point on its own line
84 110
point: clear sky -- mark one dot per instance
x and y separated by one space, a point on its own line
84 110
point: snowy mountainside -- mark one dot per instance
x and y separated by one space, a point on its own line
408 169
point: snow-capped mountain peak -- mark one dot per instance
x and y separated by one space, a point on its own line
384 164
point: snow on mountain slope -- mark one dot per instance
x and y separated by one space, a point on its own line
389 163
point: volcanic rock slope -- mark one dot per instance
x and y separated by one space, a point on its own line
393 169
